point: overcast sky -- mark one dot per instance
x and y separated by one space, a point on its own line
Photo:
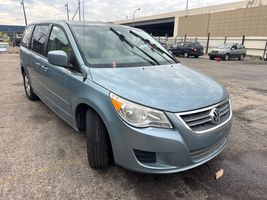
95 10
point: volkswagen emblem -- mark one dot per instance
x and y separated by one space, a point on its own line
215 116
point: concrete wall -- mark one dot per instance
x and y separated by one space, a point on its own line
248 21
194 25
234 23
256 18
194 11
232 20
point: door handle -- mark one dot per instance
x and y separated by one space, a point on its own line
37 63
44 68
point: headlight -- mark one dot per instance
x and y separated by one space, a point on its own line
139 116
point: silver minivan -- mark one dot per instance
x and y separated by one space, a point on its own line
138 106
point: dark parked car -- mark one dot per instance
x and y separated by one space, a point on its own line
187 49
228 50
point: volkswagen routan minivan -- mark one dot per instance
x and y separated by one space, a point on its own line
138 106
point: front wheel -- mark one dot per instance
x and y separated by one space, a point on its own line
98 144
211 58
241 57
186 55
28 88
196 56
226 57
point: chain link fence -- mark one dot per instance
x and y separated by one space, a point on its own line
255 46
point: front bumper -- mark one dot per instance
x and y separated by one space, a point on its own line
196 53
217 55
175 149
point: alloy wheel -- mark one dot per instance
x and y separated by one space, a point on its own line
27 85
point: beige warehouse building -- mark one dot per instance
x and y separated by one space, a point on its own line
231 21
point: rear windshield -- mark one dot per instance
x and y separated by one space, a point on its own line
101 47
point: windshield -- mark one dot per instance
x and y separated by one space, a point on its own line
225 46
103 46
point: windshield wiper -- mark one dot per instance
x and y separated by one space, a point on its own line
154 46
130 44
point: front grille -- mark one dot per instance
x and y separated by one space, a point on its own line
145 156
200 154
201 120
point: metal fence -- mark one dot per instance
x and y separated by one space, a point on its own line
255 46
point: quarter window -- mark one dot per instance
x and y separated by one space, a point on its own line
27 36
58 41
38 39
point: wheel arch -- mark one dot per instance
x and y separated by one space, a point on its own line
22 69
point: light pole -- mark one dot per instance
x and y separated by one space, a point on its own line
25 18
79 6
67 6
186 8
83 10
134 14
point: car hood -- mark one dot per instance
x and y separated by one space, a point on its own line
170 88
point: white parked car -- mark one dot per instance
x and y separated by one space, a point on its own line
3 47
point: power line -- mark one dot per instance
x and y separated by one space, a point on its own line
75 13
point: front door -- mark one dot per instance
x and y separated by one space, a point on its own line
234 51
58 79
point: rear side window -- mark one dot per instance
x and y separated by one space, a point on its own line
240 46
27 36
38 39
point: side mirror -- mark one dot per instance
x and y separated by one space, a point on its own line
58 57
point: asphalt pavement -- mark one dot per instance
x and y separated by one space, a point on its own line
41 157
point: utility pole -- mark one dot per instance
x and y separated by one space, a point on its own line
79 6
67 6
83 10
186 8
25 18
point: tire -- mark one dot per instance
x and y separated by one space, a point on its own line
28 88
98 145
241 57
211 58
186 55
196 56
226 57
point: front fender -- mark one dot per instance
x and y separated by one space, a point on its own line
97 98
